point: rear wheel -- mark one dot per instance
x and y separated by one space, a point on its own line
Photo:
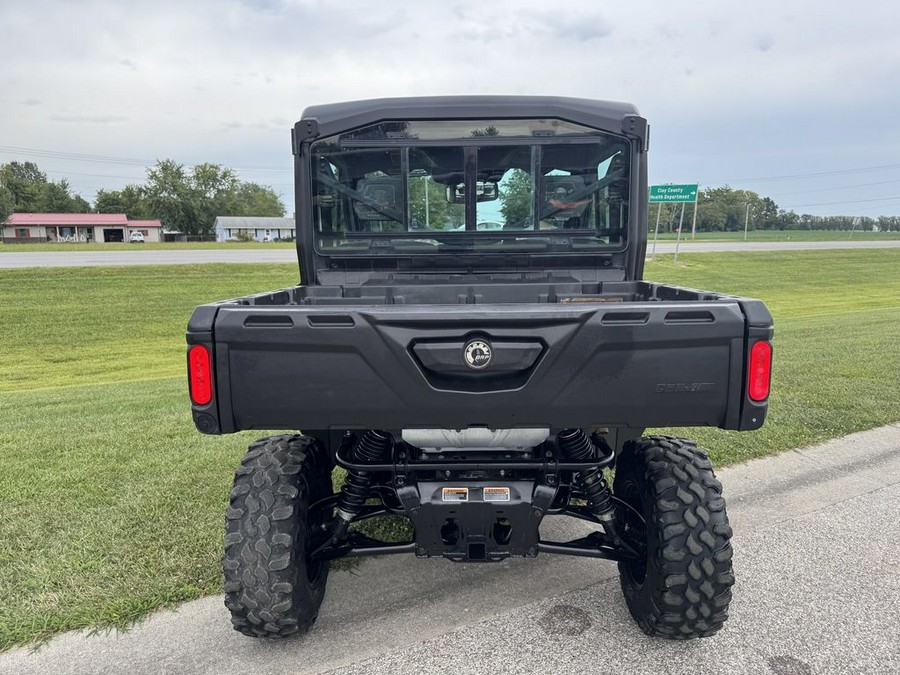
681 586
271 588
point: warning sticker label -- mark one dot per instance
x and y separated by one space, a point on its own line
456 494
496 494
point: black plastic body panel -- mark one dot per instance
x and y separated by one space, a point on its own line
618 355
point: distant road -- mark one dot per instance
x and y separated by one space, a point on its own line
729 246
286 255
102 258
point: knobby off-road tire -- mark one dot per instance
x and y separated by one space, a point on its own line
270 588
683 587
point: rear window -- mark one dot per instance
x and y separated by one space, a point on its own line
481 186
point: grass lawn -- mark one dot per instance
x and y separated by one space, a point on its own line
778 235
113 504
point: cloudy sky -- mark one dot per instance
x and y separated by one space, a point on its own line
796 99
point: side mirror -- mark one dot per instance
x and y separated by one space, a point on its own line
485 191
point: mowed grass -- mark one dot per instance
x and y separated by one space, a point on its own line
113 504
836 356
75 326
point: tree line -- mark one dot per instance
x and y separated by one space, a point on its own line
181 198
725 209
189 199
25 188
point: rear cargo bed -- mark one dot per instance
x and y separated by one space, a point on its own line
518 289
568 354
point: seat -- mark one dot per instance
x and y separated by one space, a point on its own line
385 191
564 200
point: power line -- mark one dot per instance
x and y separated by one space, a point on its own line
261 168
76 156
93 175
832 189
879 206
105 159
840 172
846 201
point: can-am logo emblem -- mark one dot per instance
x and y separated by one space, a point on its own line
478 354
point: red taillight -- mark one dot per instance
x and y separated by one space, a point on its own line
200 375
760 372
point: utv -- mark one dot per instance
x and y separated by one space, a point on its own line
472 341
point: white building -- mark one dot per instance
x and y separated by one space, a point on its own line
229 228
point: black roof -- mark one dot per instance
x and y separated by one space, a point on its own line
335 118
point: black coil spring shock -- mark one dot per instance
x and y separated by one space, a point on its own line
374 446
576 446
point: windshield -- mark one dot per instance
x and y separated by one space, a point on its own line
499 186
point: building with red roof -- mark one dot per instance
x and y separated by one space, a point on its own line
24 228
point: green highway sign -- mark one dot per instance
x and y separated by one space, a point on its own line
673 193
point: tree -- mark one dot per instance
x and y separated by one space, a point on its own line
766 214
56 198
258 200
169 196
24 182
787 220
190 200
517 197
441 213
29 191
130 200
725 209
669 215
7 204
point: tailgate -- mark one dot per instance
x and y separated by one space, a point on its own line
631 364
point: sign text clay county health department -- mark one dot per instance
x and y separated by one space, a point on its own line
673 193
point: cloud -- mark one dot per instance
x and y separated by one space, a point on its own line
566 26
89 119
268 6
223 80
764 42
236 125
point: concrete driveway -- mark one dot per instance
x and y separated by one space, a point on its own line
817 560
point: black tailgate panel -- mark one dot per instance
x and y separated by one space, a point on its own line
635 364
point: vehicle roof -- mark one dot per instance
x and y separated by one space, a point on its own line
334 118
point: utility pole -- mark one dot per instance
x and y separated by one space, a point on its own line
746 220
427 214
678 236
694 219
656 232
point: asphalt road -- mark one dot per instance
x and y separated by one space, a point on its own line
226 254
100 258
817 561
